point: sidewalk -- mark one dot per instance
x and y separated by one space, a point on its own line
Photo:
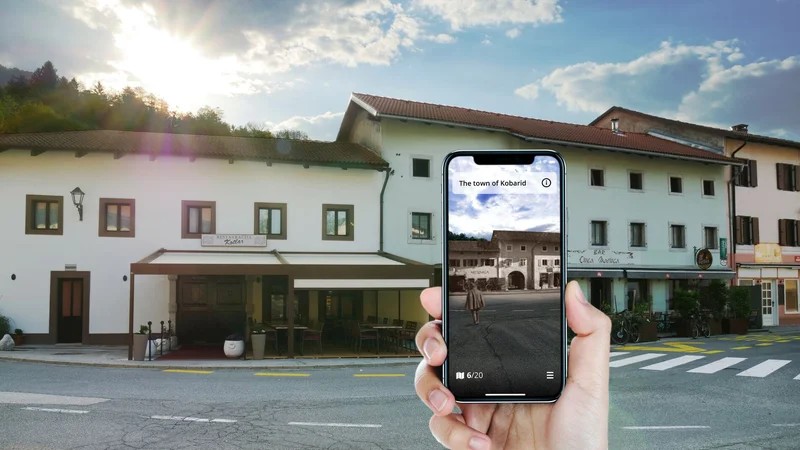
102 356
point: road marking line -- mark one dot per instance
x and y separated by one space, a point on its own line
278 374
223 420
527 310
741 348
635 359
66 411
670 363
763 345
677 427
783 340
786 424
717 365
379 375
713 352
26 398
354 425
613 354
796 378
192 419
188 371
764 369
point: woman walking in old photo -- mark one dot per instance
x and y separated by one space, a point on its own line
474 301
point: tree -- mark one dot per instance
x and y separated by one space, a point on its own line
298 135
45 78
252 129
462 237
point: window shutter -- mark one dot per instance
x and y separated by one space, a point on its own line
797 232
782 232
756 237
796 178
739 230
753 169
781 295
781 168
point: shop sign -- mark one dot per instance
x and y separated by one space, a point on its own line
234 240
704 259
768 253
723 248
602 258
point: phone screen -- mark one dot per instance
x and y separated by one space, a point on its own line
504 321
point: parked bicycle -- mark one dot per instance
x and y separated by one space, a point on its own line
624 330
699 327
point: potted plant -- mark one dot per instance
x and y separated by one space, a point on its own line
687 304
648 330
740 311
234 345
718 297
258 337
18 337
140 343
5 326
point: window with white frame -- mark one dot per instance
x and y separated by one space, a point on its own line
708 188
599 233
637 234
421 226
675 185
522 248
677 236
711 238
597 177
420 167
523 262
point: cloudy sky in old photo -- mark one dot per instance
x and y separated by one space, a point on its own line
479 212
294 63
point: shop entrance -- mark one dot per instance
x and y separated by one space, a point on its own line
600 291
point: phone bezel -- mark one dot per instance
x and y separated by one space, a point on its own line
511 155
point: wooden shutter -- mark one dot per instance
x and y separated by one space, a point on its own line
739 230
753 169
756 237
781 169
796 224
796 177
782 232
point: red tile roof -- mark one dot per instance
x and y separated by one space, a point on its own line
473 246
535 128
340 154
526 236
713 130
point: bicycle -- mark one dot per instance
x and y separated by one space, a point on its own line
700 327
625 330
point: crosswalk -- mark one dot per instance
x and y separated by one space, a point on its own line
656 362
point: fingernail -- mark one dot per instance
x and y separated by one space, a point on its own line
438 399
429 347
477 443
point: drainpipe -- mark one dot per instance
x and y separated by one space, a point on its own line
389 171
732 187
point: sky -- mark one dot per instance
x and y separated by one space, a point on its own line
294 63
478 211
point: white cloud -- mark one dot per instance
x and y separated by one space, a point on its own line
486 40
321 127
461 14
513 33
696 83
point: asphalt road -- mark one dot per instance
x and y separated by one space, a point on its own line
747 405
516 331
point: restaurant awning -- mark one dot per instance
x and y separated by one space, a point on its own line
681 274
599 272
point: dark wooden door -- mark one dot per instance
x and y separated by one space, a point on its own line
210 308
70 311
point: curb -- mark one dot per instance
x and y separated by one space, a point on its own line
414 362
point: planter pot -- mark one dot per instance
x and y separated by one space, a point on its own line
683 328
648 332
234 349
259 341
715 326
18 340
139 346
735 326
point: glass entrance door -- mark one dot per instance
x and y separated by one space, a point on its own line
767 299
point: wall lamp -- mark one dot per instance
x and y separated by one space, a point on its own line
77 200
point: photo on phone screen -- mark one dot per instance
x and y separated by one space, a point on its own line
504 316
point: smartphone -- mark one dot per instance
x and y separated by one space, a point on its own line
503 316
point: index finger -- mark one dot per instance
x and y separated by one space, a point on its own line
431 299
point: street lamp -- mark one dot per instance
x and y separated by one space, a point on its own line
77 200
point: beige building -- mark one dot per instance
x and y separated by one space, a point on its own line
763 198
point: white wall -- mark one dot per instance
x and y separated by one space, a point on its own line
615 203
158 188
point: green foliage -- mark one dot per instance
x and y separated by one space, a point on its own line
717 297
18 331
5 326
462 237
606 308
143 329
740 302
687 303
44 102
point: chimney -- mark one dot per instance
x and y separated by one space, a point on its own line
740 128
615 125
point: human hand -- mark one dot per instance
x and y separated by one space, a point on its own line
578 420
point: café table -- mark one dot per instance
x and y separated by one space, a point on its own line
283 326
381 326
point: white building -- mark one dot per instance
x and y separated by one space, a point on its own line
638 206
306 215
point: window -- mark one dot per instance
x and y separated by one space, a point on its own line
270 220
597 177
635 181
747 176
199 218
747 232
677 236
790 296
337 222
746 282
508 247
455 263
788 177
421 167
599 233
523 262
487 262
711 238
675 185
557 262
117 217
507 262
470 263
637 234
544 248
556 249
708 188
421 226
544 262
44 214
788 232
522 248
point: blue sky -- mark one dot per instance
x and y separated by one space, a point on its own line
478 212
293 64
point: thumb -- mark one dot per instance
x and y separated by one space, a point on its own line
589 351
